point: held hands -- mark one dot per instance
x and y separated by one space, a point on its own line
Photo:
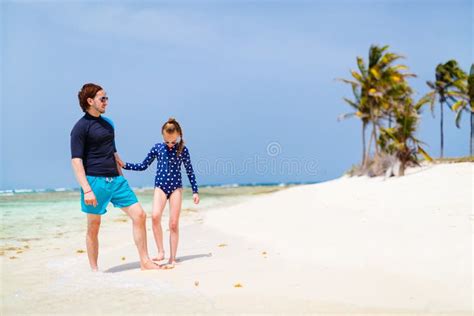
119 161
120 164
196 198
90 199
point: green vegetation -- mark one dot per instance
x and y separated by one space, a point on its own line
383 100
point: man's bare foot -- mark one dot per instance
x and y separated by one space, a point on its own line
149 265
95 269
161 256
172 262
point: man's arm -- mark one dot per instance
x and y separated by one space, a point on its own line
80 173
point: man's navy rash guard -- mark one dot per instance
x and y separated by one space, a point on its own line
93 140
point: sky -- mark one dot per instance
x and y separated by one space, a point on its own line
253 83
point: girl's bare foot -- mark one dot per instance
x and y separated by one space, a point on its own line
149 265
161 256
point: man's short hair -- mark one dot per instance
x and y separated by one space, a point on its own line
89 90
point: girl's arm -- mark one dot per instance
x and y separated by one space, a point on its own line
189 169
146 162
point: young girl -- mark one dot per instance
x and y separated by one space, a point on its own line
168 184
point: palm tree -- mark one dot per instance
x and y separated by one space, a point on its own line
360 108
448 77
375 88
400 140
466 104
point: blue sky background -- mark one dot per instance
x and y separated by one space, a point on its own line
238 75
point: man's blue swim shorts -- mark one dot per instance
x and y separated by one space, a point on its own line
106 190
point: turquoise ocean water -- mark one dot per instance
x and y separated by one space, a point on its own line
30 218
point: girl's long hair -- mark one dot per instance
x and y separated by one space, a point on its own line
172 126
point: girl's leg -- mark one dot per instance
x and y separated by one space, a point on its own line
175 209
159 202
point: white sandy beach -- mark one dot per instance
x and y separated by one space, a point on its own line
349 246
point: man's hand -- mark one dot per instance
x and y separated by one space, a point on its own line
78 167
196 198
89 199
119 161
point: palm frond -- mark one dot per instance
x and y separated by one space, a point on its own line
375 73
346 116
458 104
356 93
431 85
352 103
351 82
457 119
357 76
362 67
424 154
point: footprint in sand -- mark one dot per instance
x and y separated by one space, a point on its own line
238 285
13 248
80 251
123 258
196 283
222 245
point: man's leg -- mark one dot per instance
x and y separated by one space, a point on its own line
138 216
92 240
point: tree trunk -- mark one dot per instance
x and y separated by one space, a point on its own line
374 135
368 148
363 144
401 172
441 127
472 133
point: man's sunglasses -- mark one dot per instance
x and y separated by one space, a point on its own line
103 99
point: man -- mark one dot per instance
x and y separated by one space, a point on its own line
96 165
